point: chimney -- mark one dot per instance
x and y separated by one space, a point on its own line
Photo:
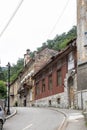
35 53
27 57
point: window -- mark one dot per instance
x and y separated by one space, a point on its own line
59 64
49 102
70 57
58 100
50 82
37 89
59 77
70 61
43 75
50 70
43 85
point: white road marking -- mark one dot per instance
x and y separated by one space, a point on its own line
27 127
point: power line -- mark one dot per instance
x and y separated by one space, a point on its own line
60 16
13 15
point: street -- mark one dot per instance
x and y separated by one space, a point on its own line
34 119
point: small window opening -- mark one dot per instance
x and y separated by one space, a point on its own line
49 102
58 100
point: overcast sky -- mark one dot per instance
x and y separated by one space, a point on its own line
34 23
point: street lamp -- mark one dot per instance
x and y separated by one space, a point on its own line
8 85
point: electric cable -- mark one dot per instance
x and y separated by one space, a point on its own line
13 15
60 16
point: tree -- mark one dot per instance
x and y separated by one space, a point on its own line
1 74
16 69
2 89
58 43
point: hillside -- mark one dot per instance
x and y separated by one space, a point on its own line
58 43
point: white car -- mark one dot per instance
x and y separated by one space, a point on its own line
2 117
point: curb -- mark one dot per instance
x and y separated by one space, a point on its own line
64 122
13 114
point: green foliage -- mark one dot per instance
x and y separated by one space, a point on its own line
31 54
2 89
60 41
13 77
16 69
2 77
64 43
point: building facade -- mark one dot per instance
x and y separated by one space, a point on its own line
82 53
13 92
25 91
55 83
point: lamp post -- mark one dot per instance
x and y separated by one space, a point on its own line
8 85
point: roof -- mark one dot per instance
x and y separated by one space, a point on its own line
58 54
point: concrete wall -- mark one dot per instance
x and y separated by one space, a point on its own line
82 52
82 76
82 99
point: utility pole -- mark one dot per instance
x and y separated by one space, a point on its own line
8 85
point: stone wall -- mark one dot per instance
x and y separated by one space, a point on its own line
53 101
82 76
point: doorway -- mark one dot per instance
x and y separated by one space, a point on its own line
71 91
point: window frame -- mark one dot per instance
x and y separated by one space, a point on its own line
59 77
50 82
43 85
37 92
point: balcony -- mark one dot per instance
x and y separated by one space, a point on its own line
21 90
29 83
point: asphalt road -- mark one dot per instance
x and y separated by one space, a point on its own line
34 119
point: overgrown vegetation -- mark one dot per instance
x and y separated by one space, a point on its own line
15 69
58 43
2 89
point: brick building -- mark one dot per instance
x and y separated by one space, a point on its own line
55 83
25 90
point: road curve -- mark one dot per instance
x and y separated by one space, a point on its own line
34 119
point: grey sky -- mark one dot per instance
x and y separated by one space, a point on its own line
35 22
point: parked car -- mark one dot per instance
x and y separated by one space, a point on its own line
2 117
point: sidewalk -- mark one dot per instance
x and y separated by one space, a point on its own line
13 112
74 120
78 124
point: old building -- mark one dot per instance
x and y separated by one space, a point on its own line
13 92
55 82
82 52
25 92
